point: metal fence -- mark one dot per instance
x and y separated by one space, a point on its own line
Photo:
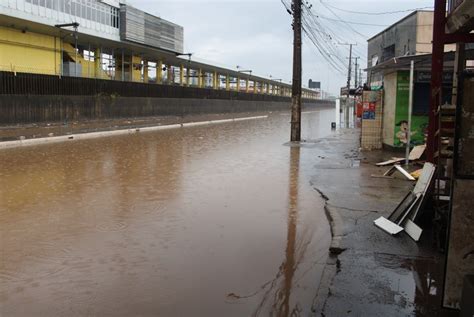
38 84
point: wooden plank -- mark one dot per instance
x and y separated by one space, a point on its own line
404 172
390 171
417 152
381 176
390 162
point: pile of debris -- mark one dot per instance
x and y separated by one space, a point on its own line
406 214
415 156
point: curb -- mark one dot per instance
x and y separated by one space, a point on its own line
95 135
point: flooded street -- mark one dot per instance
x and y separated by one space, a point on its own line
216 220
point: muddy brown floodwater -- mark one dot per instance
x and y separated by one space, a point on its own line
215 220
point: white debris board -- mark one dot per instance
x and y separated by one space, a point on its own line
388 226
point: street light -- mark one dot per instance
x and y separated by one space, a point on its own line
75 25
279 79
244 71
189 55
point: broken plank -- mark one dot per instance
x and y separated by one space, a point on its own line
390 162
381 176
404 172
417 152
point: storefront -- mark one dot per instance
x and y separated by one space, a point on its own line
396 86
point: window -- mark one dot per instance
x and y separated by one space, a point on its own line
86 9
388 52
67 6
375 60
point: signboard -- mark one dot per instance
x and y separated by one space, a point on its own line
425 77
344 91
314 84
368 110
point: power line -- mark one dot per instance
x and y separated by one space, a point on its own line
327 30
323 41
377 13
339 18
370 24
334 35
319 40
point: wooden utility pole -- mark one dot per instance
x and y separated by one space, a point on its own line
356 72
297 70
349 75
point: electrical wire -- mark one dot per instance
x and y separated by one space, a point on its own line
369 24
323 40
377 13
319 40
339 18
336 39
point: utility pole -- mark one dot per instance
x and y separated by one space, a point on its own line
297 69
349 75
356 84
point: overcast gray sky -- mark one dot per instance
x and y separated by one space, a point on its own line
257 34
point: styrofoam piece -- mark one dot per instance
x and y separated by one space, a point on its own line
388 226
413 230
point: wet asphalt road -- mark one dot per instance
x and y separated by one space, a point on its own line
214 220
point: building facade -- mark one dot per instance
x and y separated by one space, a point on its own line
31 41
108 39
388 65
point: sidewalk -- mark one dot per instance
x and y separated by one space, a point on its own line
370 273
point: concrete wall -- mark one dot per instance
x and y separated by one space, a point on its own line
424 34
390 102
402 35
411 36
29 52
17 109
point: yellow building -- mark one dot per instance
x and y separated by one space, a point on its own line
110 40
